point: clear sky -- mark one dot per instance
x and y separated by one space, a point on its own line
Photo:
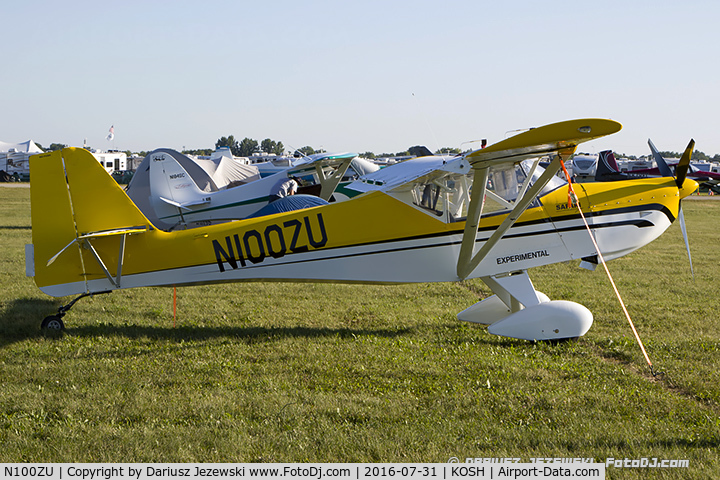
375 76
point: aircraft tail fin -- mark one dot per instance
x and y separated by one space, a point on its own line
172 188
73 201
607 166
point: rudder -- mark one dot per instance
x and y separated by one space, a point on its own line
607 168
74 198
173 190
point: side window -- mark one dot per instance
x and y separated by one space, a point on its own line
504 184
505 181
448 196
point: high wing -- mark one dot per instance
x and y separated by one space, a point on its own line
544 140
329 170
558 139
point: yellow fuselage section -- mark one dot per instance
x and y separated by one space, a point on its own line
370 238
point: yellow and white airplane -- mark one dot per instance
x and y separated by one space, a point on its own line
491 214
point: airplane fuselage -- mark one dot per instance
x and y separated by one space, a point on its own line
374 238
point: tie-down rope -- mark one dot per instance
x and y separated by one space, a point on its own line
571 194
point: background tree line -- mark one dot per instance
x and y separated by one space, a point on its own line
697 156
247 146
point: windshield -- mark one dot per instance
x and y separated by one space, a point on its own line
554 183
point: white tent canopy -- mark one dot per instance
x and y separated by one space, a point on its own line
24 147
14 157
224 169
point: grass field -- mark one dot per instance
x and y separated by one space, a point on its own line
283 372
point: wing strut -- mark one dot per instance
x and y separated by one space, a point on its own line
330 182
101 263
84 240
121 258
477 201
467 262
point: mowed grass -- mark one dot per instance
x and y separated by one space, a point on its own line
288 372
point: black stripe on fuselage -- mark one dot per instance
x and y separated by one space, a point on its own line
639 223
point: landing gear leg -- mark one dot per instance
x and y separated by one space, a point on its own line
54 322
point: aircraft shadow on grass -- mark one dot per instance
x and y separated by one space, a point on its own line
247 334
18 322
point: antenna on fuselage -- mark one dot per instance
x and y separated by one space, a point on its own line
483 143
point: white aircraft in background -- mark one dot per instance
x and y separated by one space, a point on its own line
174 192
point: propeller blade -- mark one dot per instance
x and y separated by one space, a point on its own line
681 217
682 168
661 163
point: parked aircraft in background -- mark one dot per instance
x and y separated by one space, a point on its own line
608 168
173 191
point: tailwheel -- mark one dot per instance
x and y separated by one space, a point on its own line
53 322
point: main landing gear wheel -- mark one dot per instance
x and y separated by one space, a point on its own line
53 322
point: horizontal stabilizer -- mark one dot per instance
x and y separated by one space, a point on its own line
186 205
89 236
